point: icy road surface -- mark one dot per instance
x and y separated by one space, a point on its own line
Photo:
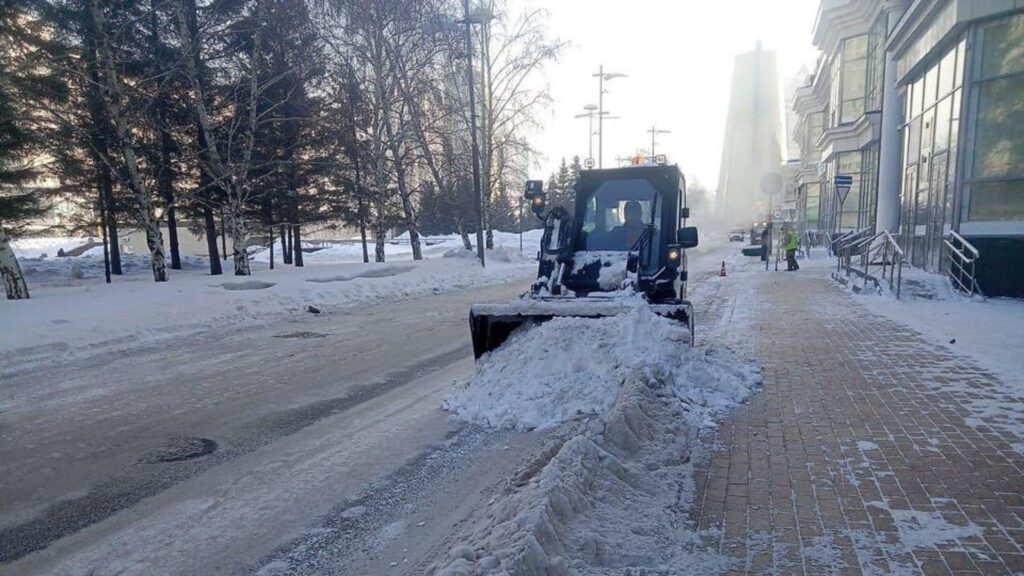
306 416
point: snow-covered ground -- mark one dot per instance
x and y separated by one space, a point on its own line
986 329
72 310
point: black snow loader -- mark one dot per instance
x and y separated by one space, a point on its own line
625 239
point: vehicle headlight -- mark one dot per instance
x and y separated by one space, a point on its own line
673 255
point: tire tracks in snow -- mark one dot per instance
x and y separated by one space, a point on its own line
146 478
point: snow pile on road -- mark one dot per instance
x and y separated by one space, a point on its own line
568 367
614 498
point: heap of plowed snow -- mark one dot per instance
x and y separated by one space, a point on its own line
570 367
611 494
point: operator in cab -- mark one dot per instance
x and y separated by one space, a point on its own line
627 234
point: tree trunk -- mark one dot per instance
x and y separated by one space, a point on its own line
187 11
100 151
165 174
379 236
106 243
211 241
297 243
110 221
271 229
362 230
10 271
223 237
172 238
286 248
114 101
239 236
403 191
461 225
410 221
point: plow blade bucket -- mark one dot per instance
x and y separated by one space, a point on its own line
491 324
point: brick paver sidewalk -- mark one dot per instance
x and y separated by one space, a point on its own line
869 451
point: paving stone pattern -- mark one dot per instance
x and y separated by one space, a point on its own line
869 450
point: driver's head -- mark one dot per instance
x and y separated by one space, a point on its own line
634 214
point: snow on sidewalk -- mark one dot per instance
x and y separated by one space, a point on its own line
72 316
986 329
614 496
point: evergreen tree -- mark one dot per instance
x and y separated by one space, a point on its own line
20 81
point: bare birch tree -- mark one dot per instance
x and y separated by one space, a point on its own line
228 156
513 50
116 100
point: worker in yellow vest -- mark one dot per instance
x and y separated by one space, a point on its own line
791 243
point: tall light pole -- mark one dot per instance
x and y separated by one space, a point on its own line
591 112
589 115
444 24
654 132
601 77
481 205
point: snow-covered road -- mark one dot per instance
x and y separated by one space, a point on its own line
330 453
304 415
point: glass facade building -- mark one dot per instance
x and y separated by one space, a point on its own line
943 81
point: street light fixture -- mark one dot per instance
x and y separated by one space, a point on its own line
601 77
591 112
589 115
654 132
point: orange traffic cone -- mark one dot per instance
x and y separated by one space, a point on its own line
721 273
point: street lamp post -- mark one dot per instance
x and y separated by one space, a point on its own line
589 115
601 77
481 205
447 24
654 132
521 201
591 111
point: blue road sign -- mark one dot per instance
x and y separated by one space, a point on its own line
843 183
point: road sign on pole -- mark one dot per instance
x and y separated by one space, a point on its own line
843 184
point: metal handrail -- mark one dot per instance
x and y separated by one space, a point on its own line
963 278
889 256
844 244
874 249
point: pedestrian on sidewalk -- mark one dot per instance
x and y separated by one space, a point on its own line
791 243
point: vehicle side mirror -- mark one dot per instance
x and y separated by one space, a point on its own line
684 213
686 237
535 194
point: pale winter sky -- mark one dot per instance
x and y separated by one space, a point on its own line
678 55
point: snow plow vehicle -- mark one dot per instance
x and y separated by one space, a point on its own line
625 239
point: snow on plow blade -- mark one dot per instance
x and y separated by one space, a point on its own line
491 324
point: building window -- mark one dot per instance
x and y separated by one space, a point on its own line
932 111
876 63
851 164
869 187
815 126
849 81
996 182
812 200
